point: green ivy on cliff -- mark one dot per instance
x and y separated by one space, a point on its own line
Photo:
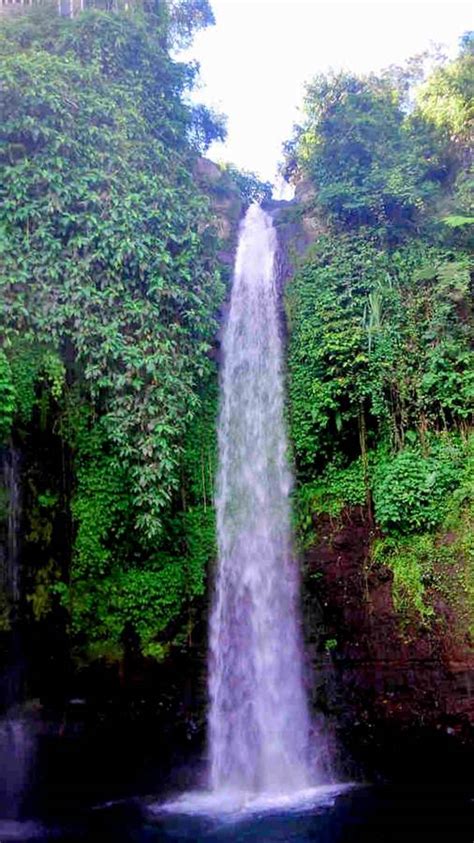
109 296
379 345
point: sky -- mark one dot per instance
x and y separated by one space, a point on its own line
257 58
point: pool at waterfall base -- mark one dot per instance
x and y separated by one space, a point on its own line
357 814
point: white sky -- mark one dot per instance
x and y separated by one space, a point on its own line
255 61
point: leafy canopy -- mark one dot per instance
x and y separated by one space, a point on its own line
372 162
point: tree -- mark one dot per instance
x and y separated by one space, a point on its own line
357 147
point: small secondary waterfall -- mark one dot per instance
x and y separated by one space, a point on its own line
17 744
258 721
17 751
11 574
10 570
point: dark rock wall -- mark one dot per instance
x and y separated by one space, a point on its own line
401 698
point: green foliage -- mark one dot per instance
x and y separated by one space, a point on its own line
408 560
335 489
7 397
446 98
54 373
367 163
326 349
24 366
458 221
439 561
444 102
379 332
108 300
108 250
380 365
118 584
101 506
250 187
199 461
380 155
410 489
380 323
186 17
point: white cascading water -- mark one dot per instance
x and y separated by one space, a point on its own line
259 724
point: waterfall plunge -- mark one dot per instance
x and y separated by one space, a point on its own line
259 726
258 720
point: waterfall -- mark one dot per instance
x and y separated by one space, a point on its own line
10 569
258 719
10 575
17 743
17 750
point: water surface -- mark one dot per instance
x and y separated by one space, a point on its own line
362 815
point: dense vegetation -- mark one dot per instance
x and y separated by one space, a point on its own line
381 371
109 300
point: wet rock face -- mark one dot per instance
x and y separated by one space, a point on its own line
390 686
298 224
226 204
